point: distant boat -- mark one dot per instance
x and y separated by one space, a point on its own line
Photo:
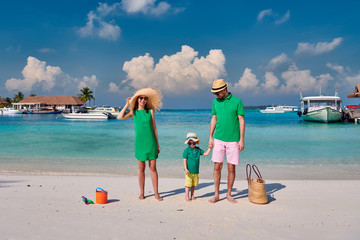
321 108
289 108
272 110
104 109
9 111
88 116
43 110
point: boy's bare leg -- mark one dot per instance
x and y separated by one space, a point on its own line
192 193
187 194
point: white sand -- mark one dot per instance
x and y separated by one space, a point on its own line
50 207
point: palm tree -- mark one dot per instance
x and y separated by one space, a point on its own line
32 95
85 95
18 97
9 100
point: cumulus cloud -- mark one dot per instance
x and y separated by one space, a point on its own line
271 82
319 48
278 61
38 74
248 81
284 18
97 25
183 72
145 6
337 68
264 13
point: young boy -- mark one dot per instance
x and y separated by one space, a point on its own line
191 160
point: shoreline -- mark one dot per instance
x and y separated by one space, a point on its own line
44 207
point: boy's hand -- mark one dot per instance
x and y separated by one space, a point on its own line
186 172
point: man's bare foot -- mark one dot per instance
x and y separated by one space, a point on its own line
141 197
187 199
193 198
214 199
158 197
230 199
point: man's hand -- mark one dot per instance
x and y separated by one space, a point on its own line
211 142
241 145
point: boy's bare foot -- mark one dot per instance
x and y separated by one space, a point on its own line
230 199
193 198
158 197
214 199
187 199
141 197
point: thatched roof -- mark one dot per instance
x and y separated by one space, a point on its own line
53 100
3 102
355 93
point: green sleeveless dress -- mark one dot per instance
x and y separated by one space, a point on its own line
145 142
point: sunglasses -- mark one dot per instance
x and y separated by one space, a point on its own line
143 98
192 143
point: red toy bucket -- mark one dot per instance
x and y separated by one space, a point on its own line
101 196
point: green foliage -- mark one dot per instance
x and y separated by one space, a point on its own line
85 95
18 97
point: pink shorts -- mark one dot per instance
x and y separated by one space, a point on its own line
230 148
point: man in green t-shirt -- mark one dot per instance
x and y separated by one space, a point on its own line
228 123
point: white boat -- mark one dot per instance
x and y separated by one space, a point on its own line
321 108
289 108
104 109
9 111
272 110
88 116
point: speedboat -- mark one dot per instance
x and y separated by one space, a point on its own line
104 109
9 111
272 110
88 116
321 108
288 108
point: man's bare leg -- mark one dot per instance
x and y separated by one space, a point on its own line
217 178
231 179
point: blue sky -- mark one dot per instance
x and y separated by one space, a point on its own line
265 50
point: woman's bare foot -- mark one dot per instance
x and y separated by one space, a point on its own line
214 199
141 197
230 199
157 196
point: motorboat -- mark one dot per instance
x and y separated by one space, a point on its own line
88 116
289 108
43 110
272 110
111 110
321 108
9 111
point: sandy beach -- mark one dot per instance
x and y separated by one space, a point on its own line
50 207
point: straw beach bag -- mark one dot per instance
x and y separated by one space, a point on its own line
257 191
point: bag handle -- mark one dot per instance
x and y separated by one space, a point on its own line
256 171
248 172
101 190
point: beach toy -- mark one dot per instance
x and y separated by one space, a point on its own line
87 201
101 196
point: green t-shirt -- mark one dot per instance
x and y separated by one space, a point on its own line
227 122
193 159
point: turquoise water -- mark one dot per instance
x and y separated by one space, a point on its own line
52 144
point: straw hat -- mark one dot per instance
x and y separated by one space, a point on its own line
192 137
154 98
218 85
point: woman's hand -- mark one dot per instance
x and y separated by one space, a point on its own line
158 149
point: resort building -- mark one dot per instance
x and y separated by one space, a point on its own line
3 102
56 102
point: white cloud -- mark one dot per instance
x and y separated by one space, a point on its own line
264 13
145 6
47 50
180 73
337 68
284 18
248 81
271 82
113 88
38 74
353 80
97 26
278 61
319 48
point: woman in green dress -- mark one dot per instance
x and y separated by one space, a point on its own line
142 107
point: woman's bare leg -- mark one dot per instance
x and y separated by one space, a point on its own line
141 175
154 178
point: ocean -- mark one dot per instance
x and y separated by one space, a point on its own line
281 145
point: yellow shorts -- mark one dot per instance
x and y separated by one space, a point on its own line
191 180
